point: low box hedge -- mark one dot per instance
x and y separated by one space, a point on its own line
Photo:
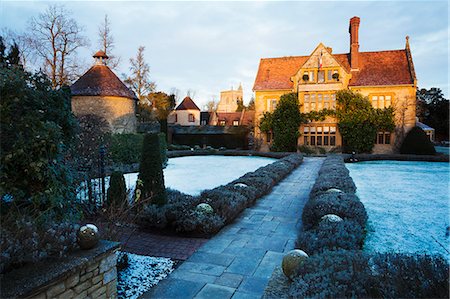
227 201
357 274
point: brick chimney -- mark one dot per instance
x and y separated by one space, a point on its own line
354 44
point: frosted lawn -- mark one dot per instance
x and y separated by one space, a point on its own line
192 175
407 204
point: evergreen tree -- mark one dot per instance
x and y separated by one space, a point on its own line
417 142
117 191
151 171
286 120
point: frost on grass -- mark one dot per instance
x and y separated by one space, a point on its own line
142 273
407 204
191 175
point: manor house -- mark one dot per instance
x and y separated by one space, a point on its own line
387 78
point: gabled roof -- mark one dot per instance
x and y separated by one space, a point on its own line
382 68
187 104
375 68
99 80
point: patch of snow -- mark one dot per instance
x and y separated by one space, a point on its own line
407 204
142 273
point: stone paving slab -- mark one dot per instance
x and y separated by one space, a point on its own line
239 260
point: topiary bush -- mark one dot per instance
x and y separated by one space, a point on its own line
345 205
345 234
117 192
163 149
356 274
417 142
150 171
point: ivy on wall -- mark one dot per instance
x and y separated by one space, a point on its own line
358 121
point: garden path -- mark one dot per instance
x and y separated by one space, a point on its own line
239 260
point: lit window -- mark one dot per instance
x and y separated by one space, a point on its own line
191 118
330 75
222 122
306 103
311 76
321 76
375 102
235 123
388 101
313 102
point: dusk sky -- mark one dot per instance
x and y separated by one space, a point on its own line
211 46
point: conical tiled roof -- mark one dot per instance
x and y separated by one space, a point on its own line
187 104
99 80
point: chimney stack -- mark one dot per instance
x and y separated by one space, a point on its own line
354 44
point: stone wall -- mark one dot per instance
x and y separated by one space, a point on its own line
84 274
119 112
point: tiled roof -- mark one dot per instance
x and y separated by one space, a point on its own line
99 80
245 117
375 68
187 104
382 68
276 73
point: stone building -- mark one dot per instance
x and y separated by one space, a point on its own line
387 78
186 114
229 99
100 92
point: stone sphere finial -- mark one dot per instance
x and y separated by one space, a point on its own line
88 236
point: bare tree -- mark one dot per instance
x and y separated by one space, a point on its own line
55 38
139 80
211 106
191 93
106 43
21 40
176 92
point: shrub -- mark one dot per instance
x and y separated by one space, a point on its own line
176 147
345 234
117 191
125 148
417 142
359 122
226 203
285 121
26 241
328 181
199 223
355 274
346 206
150 171
163 149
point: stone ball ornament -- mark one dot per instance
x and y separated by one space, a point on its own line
292 262
88 236
331 218
204 208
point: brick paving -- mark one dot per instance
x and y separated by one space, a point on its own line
151 244
238 262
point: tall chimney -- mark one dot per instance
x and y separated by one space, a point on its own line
354 44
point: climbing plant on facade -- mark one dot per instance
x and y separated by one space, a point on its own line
359 122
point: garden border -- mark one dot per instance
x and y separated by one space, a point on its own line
227 201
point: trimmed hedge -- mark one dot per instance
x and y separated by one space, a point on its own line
227 201
417 142
346 234
346 206
338 268
317 236
356 274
